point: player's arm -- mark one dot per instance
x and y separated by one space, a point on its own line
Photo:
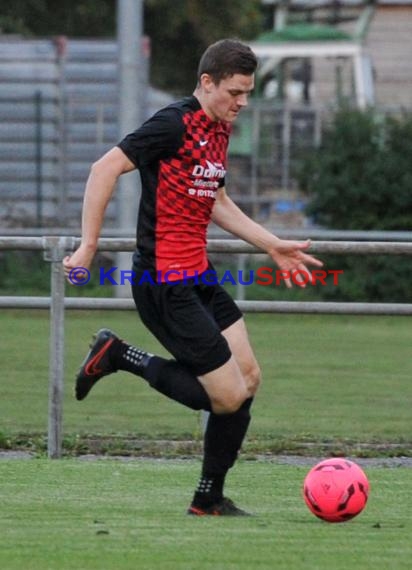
227 215
100 187
288 255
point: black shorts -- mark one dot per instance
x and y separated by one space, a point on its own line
187 318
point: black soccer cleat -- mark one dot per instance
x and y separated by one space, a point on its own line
223 508
96 364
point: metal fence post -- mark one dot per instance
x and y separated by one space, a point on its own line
241 266
54 252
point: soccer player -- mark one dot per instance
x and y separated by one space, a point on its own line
181 156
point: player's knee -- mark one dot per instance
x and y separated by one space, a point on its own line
230 402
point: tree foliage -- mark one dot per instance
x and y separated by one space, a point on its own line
73 18
361 176
361 179
181 30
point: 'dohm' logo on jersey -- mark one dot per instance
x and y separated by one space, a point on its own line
212 170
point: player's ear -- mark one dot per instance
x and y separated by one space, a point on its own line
206 82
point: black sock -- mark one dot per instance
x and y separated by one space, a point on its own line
223 439
166 376
209 490
129 358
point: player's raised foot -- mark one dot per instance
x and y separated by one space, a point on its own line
96 364
223 508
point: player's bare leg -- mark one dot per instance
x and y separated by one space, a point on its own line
236 381
238 339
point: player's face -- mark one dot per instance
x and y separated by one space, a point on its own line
225 100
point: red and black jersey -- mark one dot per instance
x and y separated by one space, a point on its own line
181 155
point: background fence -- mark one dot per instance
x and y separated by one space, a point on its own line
56 247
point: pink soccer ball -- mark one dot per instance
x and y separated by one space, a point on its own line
336 490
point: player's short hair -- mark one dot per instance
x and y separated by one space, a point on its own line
225 58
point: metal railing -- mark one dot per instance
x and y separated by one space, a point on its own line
56 247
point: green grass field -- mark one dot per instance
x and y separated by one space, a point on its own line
105 515
326 379
340 384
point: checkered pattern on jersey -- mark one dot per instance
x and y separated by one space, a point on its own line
187 185
204 144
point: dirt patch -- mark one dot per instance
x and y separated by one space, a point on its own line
383 462
391 462
16 455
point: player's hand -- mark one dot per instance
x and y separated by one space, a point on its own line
73 264
291 256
